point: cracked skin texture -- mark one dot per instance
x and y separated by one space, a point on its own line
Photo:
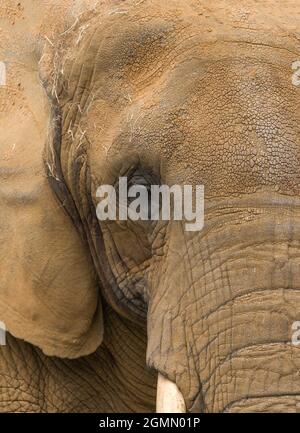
186 93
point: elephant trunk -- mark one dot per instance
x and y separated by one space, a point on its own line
220 322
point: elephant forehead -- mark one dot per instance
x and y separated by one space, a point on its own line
131 47
231 124
213 101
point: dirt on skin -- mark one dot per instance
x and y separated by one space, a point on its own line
31 34
28 26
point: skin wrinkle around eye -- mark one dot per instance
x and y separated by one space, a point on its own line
139 267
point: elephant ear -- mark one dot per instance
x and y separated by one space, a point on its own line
49 294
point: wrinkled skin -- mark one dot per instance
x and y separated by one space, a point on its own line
102 382
180 94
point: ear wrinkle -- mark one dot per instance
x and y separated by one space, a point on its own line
85 219
55 173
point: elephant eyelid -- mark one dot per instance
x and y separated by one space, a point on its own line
140 176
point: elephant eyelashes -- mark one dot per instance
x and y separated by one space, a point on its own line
142 177
138 185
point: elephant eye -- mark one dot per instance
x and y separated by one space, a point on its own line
143 178
139 182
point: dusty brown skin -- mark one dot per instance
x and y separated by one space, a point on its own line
178 93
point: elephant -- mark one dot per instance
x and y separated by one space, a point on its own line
103 315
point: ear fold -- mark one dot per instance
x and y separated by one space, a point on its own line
66 157
49 293
49 290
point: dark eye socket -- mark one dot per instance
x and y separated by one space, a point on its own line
143 177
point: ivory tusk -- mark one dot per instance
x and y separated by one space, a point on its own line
168 398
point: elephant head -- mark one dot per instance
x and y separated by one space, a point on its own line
173 93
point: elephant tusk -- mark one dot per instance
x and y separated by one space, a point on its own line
168 399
